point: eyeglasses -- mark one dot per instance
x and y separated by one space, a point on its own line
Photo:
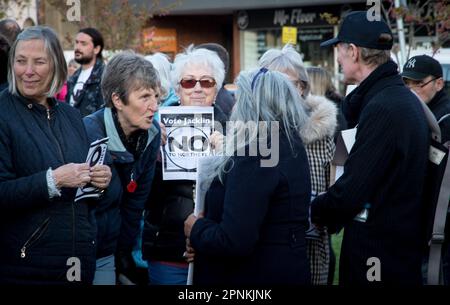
299 84
414 84
191 83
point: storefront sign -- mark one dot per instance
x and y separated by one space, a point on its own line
295 17
315 34
160 40
289 35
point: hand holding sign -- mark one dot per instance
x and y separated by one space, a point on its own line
72 175
101 173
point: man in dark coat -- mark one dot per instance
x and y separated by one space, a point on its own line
378 198
423 74
83 88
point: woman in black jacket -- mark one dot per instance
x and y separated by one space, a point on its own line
256 208
45 237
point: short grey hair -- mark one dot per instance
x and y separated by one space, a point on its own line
163 65
264 96
372 57
200 57
55 54
126 72
286 59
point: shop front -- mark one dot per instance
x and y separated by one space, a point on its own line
305 27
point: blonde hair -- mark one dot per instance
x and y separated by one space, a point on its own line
320 81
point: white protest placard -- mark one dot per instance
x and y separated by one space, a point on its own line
205 169
96 156
345 142
188 129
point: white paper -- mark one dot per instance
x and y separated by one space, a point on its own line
96 156
349 135
205 168
188 130
339 172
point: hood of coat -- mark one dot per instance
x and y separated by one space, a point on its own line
322 119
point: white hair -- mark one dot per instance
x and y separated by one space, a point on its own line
163 65
197 57
286 59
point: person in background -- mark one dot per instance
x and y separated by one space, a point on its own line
317 135
255 216
197 76
322 85
224 99
423 74
378 197
130 86
10 29
43 148
83 88
4 54
162 64
72 66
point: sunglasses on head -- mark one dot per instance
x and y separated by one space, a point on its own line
191 83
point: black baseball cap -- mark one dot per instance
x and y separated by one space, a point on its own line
421 66
356 28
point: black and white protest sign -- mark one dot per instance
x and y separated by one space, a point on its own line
96 156
188 130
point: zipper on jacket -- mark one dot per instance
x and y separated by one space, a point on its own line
34 237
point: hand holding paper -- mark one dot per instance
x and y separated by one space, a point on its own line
72 175
100 176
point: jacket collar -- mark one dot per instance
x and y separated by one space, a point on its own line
114 142
96 73
383 76
439 98
322 119
33 104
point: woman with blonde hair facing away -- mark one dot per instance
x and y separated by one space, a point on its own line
317 136
321 84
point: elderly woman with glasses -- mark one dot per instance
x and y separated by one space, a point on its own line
197 76
45 237
318 137
130 87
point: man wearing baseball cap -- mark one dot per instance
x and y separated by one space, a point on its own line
423 75
378 198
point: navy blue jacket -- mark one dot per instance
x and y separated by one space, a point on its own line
385 168
37 234
118 213
254 227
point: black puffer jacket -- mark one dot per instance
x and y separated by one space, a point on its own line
38 235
